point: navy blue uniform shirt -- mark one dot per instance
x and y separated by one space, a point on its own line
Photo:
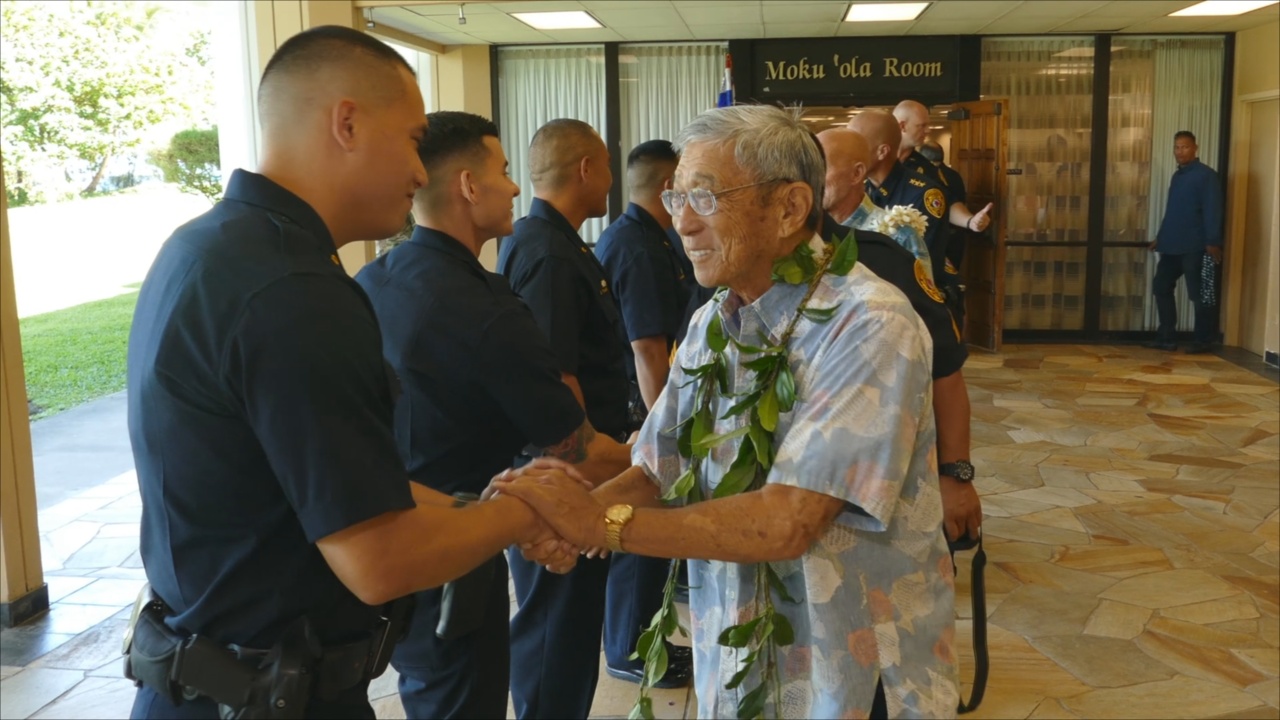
897 266
562 282
953 185
1193 215
946 176
697 296
260 416
480 381
923 193
645 275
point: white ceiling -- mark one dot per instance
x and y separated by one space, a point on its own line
648 20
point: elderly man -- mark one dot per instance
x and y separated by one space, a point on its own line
849 515
848 155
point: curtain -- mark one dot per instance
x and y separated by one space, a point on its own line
1048 83
1188 94
538 84
1126 284
663 87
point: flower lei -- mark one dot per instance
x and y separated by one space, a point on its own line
773 392
901 216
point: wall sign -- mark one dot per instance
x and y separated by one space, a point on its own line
857 70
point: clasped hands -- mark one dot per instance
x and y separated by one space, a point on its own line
570 521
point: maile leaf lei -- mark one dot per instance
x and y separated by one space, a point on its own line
772 393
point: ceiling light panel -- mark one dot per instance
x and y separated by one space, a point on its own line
1222 7
572 20
884 12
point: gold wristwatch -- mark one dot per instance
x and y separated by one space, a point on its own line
615 518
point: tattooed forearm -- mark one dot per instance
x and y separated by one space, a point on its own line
573 449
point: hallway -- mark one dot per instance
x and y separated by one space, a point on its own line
1132 534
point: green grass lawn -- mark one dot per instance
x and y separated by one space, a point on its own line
77 354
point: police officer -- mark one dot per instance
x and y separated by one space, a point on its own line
888 183
913 121
276 512
481 383
848 155
647 279
555 633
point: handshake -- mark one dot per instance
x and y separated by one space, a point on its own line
570 520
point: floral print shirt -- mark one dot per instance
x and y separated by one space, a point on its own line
875 593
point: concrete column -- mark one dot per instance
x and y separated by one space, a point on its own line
23 593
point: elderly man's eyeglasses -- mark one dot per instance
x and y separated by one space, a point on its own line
702 200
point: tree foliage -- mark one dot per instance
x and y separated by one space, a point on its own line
191 161
84 82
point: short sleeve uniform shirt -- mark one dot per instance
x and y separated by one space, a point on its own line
923 193
565 286
260 417
480 381
646 277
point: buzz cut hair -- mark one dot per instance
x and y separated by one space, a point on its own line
322 49
452 134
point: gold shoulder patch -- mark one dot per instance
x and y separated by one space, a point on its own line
917 183
922 277
935 202
949 268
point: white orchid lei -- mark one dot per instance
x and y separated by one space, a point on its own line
901 216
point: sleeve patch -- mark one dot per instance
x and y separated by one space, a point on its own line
922 277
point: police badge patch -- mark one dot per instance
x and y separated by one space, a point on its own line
934 202
922 277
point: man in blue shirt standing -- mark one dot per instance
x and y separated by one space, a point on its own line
1189 235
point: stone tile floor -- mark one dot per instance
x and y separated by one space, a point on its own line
1132 533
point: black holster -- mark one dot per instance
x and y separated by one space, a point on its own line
247 683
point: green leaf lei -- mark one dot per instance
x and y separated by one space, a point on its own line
772 393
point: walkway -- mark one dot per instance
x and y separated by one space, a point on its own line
1132 532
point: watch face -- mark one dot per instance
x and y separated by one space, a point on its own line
960 470
618 513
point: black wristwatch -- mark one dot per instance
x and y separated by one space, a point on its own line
961 470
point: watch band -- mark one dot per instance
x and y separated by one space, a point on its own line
961 470
616 518
463 499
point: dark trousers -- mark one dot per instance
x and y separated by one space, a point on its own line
634 596
465 677
149 705
1168 270
555 637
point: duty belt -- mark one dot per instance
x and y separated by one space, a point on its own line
253 683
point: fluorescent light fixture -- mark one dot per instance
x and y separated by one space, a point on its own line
572 20
881 12
1222 7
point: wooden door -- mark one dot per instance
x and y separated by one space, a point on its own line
979 152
